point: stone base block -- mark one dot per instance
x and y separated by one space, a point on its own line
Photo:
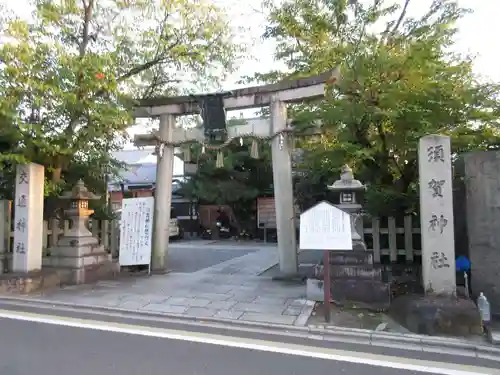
368 293
91 273
357 272
32 282
437 315
294 278
68 261
351 257
77 241
315 290
351 272
76 251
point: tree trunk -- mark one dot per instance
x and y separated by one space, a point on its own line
56 174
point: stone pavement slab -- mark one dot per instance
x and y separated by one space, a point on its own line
201 312
190 302
162 308
221 305
228 314
231 290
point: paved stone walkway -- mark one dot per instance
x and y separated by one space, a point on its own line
229 290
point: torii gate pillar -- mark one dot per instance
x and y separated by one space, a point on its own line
283 191
163 195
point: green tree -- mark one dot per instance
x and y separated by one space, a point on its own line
237 183
400 81
68 76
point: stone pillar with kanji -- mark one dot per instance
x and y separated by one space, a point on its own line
28 218
436 215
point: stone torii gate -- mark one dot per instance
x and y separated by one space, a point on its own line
276 96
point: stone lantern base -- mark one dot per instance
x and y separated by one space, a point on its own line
84 258
354 281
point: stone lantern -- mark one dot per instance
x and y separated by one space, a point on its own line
353 275
348 187
78 211
77 250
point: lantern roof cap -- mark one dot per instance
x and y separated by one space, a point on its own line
347 181
79 192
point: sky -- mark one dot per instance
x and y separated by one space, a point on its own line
478 35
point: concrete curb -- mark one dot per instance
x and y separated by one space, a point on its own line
415 342
411 342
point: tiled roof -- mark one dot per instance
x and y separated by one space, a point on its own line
138 174
141 168
136 156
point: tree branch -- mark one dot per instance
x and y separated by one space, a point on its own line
87 17
401 17
88 8
140 68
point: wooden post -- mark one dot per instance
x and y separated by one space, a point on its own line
114 236
326 284
5 225
105 235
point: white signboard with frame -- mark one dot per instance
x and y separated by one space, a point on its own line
325 227
136 227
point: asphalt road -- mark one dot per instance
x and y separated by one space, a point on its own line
48 343
192 259
190 256
28 348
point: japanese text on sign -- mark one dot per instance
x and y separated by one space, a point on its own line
439 260
325 227
436 188
21 229
438 223
135 231
435 153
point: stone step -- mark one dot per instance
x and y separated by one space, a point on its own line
351 258
79 251
361 272
356 272
78 262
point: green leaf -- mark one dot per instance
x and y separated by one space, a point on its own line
399 82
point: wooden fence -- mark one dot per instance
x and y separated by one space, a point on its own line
107 232
392 240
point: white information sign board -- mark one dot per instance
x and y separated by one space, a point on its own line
136 227
325 227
